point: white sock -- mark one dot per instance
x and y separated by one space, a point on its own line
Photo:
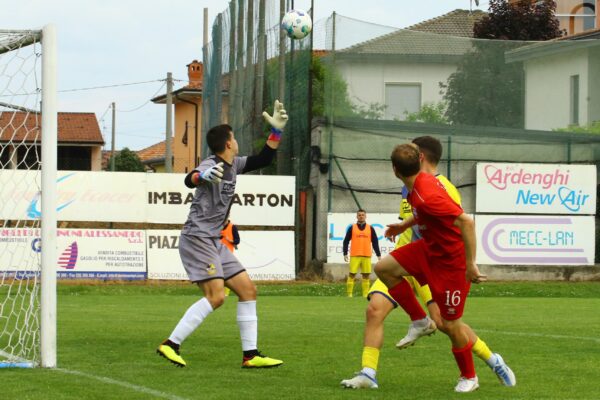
370 372
248 323
191 320
421 323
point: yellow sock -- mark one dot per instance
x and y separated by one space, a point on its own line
227 291
365 287
350 286
481 350
370 357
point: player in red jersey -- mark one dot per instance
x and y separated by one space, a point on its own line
444 258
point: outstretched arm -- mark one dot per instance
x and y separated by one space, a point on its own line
277 121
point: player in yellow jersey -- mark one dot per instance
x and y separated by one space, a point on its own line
381 303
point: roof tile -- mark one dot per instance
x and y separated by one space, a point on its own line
18 126
157 150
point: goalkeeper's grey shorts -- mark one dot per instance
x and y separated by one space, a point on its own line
207 258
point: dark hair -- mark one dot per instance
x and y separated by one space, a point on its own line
430 147
360 210
405 159
217 136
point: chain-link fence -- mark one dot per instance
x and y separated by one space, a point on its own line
359 172
250 63
485 100
368 87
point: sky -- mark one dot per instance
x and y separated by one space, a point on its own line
118 42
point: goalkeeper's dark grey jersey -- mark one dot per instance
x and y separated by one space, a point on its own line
211 203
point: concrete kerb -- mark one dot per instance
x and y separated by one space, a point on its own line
578 273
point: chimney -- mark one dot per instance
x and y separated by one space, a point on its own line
195 73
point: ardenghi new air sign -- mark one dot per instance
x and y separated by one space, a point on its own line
536 188
138 197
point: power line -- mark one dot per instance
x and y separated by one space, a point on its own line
103 114
109 86
144 103
88 88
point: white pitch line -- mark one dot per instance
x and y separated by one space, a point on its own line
533 334
542 335
127 385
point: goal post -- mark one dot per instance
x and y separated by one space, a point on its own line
48 197
28 163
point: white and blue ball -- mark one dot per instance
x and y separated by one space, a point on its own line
297 24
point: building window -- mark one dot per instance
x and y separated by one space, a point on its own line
401 99
574 117
74 158
184 139
5 156
28 156
576 16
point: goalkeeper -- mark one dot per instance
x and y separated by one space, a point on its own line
381 303
205 258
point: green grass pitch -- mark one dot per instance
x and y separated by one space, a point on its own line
549 333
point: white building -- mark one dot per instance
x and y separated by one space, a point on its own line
403 70
562 81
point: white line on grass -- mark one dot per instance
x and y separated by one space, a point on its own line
542 335
127 385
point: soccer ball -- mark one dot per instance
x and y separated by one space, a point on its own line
297 24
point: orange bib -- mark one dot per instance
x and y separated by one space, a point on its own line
361 242
227 237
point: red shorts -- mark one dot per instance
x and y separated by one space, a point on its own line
447 281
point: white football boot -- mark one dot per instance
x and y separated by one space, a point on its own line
465 385
505 375
360 381
414 333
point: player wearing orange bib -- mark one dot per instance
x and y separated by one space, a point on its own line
364 240
230 237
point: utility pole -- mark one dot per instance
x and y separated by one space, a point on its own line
199 141
283 154
169 152
112 144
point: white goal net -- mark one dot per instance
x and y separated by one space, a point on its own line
22 95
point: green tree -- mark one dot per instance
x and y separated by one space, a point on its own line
329 86
594 127
431 113
485 89
128 161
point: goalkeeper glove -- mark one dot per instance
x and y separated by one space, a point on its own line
213 174
277 121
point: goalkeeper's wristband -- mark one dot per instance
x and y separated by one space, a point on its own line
275 135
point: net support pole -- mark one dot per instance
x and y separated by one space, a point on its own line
48 196
169 127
